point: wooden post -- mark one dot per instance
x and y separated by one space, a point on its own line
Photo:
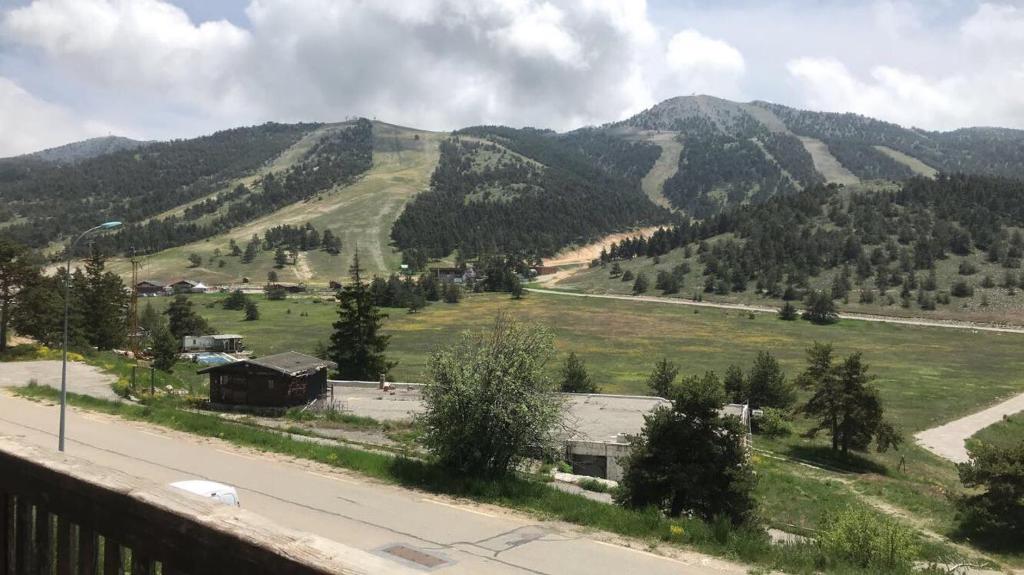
64 551
23 536
141 565
44 549
88 544
111 557
6 528
382 380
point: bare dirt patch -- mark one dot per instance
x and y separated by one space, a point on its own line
584 254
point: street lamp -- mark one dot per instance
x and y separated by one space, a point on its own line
67 299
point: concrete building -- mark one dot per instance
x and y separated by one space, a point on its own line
279 380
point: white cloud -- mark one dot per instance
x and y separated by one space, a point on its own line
697 63
29 124
981 84
140 47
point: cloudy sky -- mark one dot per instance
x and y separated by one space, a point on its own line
156 69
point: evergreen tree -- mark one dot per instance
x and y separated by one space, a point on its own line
164 346
767 385
662 380
995 514
252 311
788 312
356 344
280 258
691 459
640 285
195 260
575 378
182 320
15 273
104 305
236 300
819 308
736 389
844 403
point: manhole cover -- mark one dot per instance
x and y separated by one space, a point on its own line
415 556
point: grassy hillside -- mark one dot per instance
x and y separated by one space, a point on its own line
360 213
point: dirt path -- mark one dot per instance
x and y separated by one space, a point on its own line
585 254
764 309
949 440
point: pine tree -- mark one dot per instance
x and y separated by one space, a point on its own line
767 385
252 311
280 258
736 389
640 285
575 378
164 346
356 344
104 305
662 380
787 312
844 403
15 273
182 320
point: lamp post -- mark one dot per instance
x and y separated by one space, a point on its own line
67 299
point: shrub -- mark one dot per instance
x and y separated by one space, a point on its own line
773 423
868 540
787 312
488 404
961 288
593 485
967 268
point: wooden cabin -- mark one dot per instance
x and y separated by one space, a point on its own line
279 380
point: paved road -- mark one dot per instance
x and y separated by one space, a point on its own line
83 379
762 309
350 509
949 440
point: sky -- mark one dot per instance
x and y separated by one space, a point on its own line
161 69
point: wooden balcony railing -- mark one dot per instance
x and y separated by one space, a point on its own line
60 514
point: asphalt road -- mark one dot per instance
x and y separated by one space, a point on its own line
83 379
950 440
349 509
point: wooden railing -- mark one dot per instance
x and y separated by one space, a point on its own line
63 515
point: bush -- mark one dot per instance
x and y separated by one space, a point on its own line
593 485
868 540
967 268
627 276
489 404
773 423
962 289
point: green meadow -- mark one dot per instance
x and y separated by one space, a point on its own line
926 375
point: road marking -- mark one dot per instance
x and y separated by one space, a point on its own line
641 551
459 507
334 478
239 455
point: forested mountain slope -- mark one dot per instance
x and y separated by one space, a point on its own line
531 191
952 244
78 151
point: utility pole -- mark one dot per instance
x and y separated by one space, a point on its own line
134 337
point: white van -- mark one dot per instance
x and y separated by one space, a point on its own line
223 493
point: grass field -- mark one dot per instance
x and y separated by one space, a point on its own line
1009 431
927 376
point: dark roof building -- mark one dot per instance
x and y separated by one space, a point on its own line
279 380
147 287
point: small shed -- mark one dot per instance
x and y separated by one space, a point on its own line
147 287
279 380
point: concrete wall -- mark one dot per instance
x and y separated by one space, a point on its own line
587 452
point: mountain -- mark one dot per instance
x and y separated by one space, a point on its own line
78 151
395 194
